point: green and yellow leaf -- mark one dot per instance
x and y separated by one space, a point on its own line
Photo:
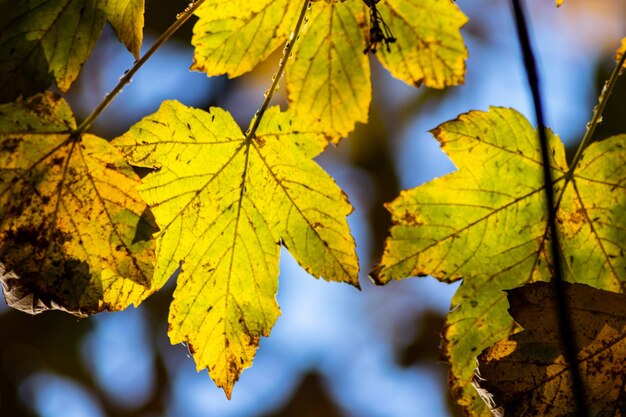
42 41
224 203
232 37
126 17
430 48
328 80
526 374
74 232
328 76
486 223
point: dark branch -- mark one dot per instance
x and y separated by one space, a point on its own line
565 325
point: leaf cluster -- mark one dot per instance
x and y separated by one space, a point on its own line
81 232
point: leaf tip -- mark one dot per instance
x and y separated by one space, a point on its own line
228 390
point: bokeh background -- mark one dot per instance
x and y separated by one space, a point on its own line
335 351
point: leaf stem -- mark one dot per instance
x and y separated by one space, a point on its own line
293 37
565 324
180 20
596 119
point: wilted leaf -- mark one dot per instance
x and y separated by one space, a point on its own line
486 223
74 232
328 75
526 374
42 41
224 203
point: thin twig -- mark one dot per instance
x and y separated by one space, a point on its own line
293 37
597 115
565 325
128 75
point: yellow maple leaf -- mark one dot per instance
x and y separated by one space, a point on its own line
328 76
486 224
74 233
224 202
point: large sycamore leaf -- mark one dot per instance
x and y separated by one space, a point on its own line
42 41
74 232
486 223
224 203
328 76
526 374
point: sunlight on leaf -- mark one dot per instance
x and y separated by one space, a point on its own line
328 76
526 374
232 37
74 232
126 17
430 48
223 204
328 80
42 41
485 223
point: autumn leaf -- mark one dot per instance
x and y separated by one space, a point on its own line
74 232
328 77
233 36
42 41
486 223
126 17
559 3
526 374
224 203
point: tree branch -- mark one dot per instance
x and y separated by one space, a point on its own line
566 330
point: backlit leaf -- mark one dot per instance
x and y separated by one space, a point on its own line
486 223
430 48
74 233
126 17
526 375
328 76
233 36
224 204
42 41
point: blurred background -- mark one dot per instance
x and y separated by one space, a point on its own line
334 351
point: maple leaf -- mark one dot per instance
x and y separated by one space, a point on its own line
486 223
526 374
328 77
74 232
49 40
224 203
